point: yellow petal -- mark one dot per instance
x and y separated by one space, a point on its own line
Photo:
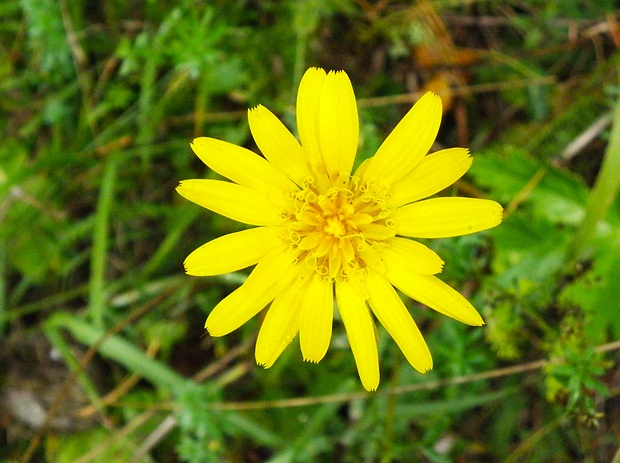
276 270
280 326
360 332
338 124
234 201
403 252
277 144
232 252
445 217
317 313
272 275
395 318
434 173
233 311
408 143
307 112
431 291
375 231
242 166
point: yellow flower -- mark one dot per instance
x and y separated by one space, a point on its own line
325 233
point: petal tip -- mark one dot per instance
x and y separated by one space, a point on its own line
211 331
475 320
498 213
199 141
180 187
371 387
315 70
254 110
262 363
427 364
431 97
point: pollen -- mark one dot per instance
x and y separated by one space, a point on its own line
337 229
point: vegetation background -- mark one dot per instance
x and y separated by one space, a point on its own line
104 358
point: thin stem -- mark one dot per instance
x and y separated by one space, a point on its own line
604 191
305 21
404 389
533 440
3 309
96 297
616 458
121 351
201 106
85 361
148 113
390 414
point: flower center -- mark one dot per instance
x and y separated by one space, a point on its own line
336 229
335 226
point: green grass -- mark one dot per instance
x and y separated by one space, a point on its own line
99 101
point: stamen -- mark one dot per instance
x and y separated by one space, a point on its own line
308 182
294 237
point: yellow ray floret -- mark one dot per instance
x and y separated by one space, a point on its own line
232 252
234 201
434 173
278 145
360 331
280 326
393 315
317 314
408 143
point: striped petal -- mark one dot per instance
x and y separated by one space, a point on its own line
360 332
408 143
434 173
338 124
431 291
403 252
278 144
232 252
280 326
395 318
446 217
269 279
307 112
234 201
317 314
242 166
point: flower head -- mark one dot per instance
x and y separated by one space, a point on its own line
324 233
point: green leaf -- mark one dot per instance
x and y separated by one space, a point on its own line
597 292
508 170
528 249
66 448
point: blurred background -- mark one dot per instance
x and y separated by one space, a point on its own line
103 356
